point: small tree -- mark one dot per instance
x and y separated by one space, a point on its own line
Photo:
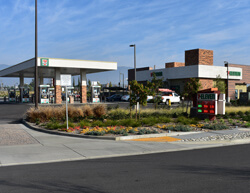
191 88
153 87
220 84
139 94
110 84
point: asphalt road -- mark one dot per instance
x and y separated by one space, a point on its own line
224 169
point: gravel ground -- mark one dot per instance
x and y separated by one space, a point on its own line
12 134
233 136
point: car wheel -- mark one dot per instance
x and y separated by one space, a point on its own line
167 102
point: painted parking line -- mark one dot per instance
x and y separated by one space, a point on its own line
157 139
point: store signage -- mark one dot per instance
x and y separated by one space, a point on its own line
233 73
156 73
65 79
206 96
44 62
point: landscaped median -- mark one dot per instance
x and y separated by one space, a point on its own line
116 124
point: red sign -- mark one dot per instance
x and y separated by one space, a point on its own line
206 107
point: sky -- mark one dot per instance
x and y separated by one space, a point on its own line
103 30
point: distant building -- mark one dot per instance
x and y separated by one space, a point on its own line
198 64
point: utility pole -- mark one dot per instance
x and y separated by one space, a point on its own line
36 67
226 63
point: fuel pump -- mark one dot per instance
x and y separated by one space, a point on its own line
95 93
24 94
70 92
51 95
44 94
12 95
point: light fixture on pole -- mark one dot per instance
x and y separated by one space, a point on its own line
226 64
36 68
133 45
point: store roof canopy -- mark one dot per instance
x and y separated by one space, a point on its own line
47 67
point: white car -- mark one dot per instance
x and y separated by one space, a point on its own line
125 98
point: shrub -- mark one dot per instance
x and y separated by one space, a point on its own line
240 113
87 110
53 125
186 121
75 112
84 123
130 122
247 124
182 128
146 131
97 133
99 110
222 121
246 118
215 127
97 123
150 121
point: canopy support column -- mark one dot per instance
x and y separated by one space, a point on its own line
58 88
83 89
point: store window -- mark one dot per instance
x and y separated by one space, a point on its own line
236 93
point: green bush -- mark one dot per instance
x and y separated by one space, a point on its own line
146 131
84 123
150 121
70 124
240 113
246 118
186 121
97 133
53 125
215 127
97 123
247 125
130 122
184 128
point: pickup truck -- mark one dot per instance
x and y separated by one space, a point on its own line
172 97
167 96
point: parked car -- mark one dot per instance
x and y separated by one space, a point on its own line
166 96
170 96
125 98
115 97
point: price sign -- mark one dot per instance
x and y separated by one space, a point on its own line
207 103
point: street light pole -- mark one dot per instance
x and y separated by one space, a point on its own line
226 63
134 57
122 81
36 67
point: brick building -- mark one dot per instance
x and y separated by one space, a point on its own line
198 64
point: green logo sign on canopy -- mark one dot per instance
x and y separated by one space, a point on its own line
44 62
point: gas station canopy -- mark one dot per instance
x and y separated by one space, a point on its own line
54 68
48 66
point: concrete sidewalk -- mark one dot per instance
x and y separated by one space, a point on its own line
37 147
